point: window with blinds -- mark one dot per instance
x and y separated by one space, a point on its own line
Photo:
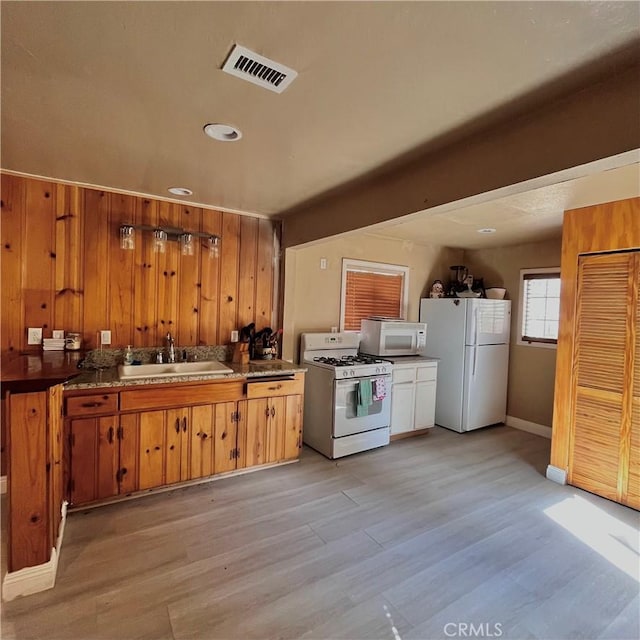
539 306
372 289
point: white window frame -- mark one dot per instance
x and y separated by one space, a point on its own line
349 264
520 341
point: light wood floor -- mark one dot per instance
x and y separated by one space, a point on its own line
393 543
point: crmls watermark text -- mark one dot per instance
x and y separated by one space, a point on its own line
471 630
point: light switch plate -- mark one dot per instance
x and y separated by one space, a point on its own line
323 263
105 337
34 335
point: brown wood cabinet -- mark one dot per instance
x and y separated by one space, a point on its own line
35 489
103 455
273 425
604 444
135 450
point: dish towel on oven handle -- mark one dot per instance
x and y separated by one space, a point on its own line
364 397
379 389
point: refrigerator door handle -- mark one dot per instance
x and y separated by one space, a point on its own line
475 355
475 327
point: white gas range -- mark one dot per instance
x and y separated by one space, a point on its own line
347 405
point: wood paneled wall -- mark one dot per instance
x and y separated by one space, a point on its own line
613 226
62 268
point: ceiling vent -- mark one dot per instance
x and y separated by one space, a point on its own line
248 65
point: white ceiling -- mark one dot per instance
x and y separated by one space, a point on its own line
116 94
531 215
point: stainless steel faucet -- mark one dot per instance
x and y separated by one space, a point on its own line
172 347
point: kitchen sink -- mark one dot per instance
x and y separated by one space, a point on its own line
209 367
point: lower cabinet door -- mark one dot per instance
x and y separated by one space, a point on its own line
129 436
258 413
94 459
276 427
425 405
178 429
152 440
202 441
228 445
402 407
292 427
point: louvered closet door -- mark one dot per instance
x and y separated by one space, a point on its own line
604 365
632 497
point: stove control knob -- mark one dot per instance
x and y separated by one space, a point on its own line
345 373
352 372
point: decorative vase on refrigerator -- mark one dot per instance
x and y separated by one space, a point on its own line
470 337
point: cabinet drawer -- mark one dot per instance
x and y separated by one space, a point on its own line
92 405
275 388
169 396
406 374
427 373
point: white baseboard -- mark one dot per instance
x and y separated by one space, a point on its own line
555 474
35 579
530 427
3 484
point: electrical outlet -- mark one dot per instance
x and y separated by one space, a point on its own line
34 335
105 337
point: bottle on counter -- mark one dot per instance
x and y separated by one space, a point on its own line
128 355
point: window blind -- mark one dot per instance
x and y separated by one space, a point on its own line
369 293
541 307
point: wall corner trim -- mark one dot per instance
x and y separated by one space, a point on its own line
556 475
35 579
3 484
530 427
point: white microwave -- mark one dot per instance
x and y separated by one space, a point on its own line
392 337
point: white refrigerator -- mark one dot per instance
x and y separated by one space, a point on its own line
470 336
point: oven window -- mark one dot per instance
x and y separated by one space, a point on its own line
396 342
352 401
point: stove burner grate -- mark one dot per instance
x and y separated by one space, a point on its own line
347 361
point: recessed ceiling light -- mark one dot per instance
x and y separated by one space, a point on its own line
180 191
223 132
486 230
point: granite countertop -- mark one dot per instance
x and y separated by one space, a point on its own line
256 368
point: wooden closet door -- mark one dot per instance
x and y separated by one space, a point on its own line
603 365
632 494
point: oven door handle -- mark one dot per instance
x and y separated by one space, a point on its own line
355 381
